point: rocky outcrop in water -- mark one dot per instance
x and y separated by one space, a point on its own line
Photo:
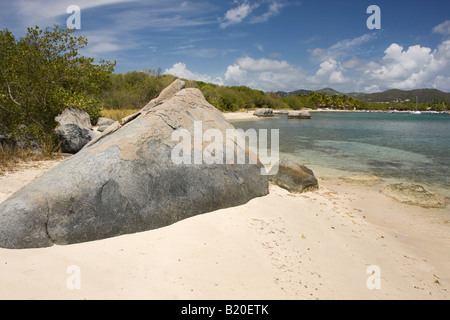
264 113
299 115
415 195
362 179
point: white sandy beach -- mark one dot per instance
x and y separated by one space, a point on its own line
316 245
239 115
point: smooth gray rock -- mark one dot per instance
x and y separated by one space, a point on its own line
294 177
102 121
126 182
299 115
265 112
73 138
74 116
102 128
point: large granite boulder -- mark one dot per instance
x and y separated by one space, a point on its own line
126 181
414 194
294 177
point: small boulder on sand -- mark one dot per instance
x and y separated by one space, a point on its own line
294 177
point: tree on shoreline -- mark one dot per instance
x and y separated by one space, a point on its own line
40 75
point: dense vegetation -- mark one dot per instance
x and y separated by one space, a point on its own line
43 73
133 90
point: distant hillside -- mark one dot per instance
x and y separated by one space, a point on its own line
423 95
293 93
329 91
394 95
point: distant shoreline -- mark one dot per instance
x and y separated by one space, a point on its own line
248 115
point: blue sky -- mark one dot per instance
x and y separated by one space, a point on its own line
265 44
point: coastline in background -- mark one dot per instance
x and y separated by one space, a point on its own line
400 147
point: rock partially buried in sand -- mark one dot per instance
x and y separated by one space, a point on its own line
294 177
126 182
414 195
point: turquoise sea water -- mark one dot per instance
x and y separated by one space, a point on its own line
398 146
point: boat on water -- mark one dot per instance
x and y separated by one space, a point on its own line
416 111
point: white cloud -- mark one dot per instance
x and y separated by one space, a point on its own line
372 88
180 70
443 28
235 75
402 68
329 73
102 42
236 15
103 47
245 9
342 48
274 10
262 64
264 74
415 67
46 12
351 43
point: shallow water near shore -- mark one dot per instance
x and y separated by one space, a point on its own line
397 147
